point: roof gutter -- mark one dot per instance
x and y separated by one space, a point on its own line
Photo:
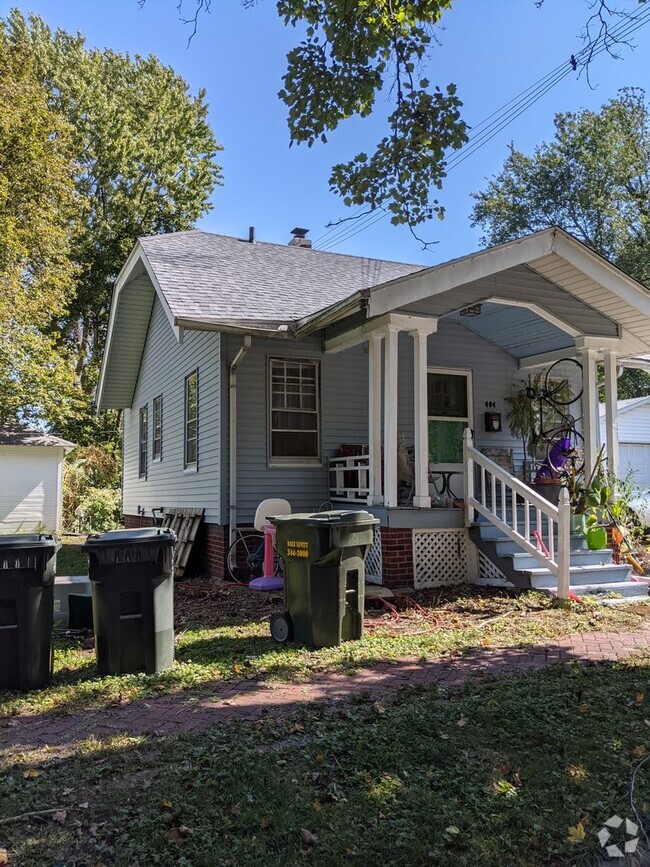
356 302
232 434
260 328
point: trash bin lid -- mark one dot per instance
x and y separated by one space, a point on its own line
334 517
17 541
146 536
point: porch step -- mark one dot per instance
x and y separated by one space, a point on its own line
522 560
624 592
584 576
505 545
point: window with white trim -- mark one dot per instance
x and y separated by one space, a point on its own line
449 409
143 437
191 438
156 442
294 411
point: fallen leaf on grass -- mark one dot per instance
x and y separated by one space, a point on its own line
638 697
307 837
31 774
576 834
60 816
4 856
452 829
462 722
67 791
639 751
83 805
584 708
266 821
178 835
379 707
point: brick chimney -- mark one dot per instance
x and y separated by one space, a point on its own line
299 239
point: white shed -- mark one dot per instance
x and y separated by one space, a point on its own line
633 437
31 479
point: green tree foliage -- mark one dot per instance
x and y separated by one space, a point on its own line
145 163
351 52
593 180
37 207
354 51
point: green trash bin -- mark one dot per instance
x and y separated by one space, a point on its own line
131 573
324 578
26 609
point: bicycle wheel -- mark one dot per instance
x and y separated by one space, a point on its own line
565 446
563 382
245 558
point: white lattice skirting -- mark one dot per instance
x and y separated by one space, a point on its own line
374 566
440 557
487 571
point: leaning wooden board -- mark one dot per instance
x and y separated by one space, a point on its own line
185 523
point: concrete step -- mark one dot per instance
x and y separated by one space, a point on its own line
504 545
625 600
584 576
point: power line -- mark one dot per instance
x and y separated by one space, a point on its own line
502 117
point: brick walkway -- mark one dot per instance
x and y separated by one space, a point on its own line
248 700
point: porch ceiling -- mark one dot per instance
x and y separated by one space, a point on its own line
517 330
519 285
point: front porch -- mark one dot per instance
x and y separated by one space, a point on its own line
535 302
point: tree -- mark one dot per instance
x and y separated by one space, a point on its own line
593 180
353 51
37 208
145 163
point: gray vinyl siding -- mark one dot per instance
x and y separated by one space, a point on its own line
165 364
344 418
344 407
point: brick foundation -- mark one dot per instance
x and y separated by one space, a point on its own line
136 522
211 547
397 557
208 557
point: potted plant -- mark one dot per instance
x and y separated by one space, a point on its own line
589 498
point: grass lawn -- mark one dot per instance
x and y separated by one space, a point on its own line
70 560
223 633
518 771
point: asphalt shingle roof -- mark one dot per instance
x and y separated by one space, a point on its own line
16 435
206 276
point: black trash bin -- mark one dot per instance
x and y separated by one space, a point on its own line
131 573
26 609
324 578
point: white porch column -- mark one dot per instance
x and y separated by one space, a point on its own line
390 416
375 496
611 412
590 419
421 498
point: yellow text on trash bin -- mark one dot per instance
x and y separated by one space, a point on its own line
297 549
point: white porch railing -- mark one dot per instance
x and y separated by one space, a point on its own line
349 479
520 513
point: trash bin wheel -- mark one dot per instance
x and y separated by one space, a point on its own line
281 628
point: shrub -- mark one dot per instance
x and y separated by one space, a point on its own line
87 469
100 509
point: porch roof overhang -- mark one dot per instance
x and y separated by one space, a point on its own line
540 296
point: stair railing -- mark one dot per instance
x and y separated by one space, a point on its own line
499 497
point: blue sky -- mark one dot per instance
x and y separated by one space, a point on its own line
491 50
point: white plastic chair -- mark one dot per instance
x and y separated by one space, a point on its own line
270 507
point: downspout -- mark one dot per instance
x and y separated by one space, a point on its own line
232 419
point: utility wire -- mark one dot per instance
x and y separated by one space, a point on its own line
502 117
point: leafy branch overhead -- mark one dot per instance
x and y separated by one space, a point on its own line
351 52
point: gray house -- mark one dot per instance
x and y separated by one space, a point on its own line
249 370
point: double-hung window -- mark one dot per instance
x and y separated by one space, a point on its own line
156 446
143 439
294 411
191 439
